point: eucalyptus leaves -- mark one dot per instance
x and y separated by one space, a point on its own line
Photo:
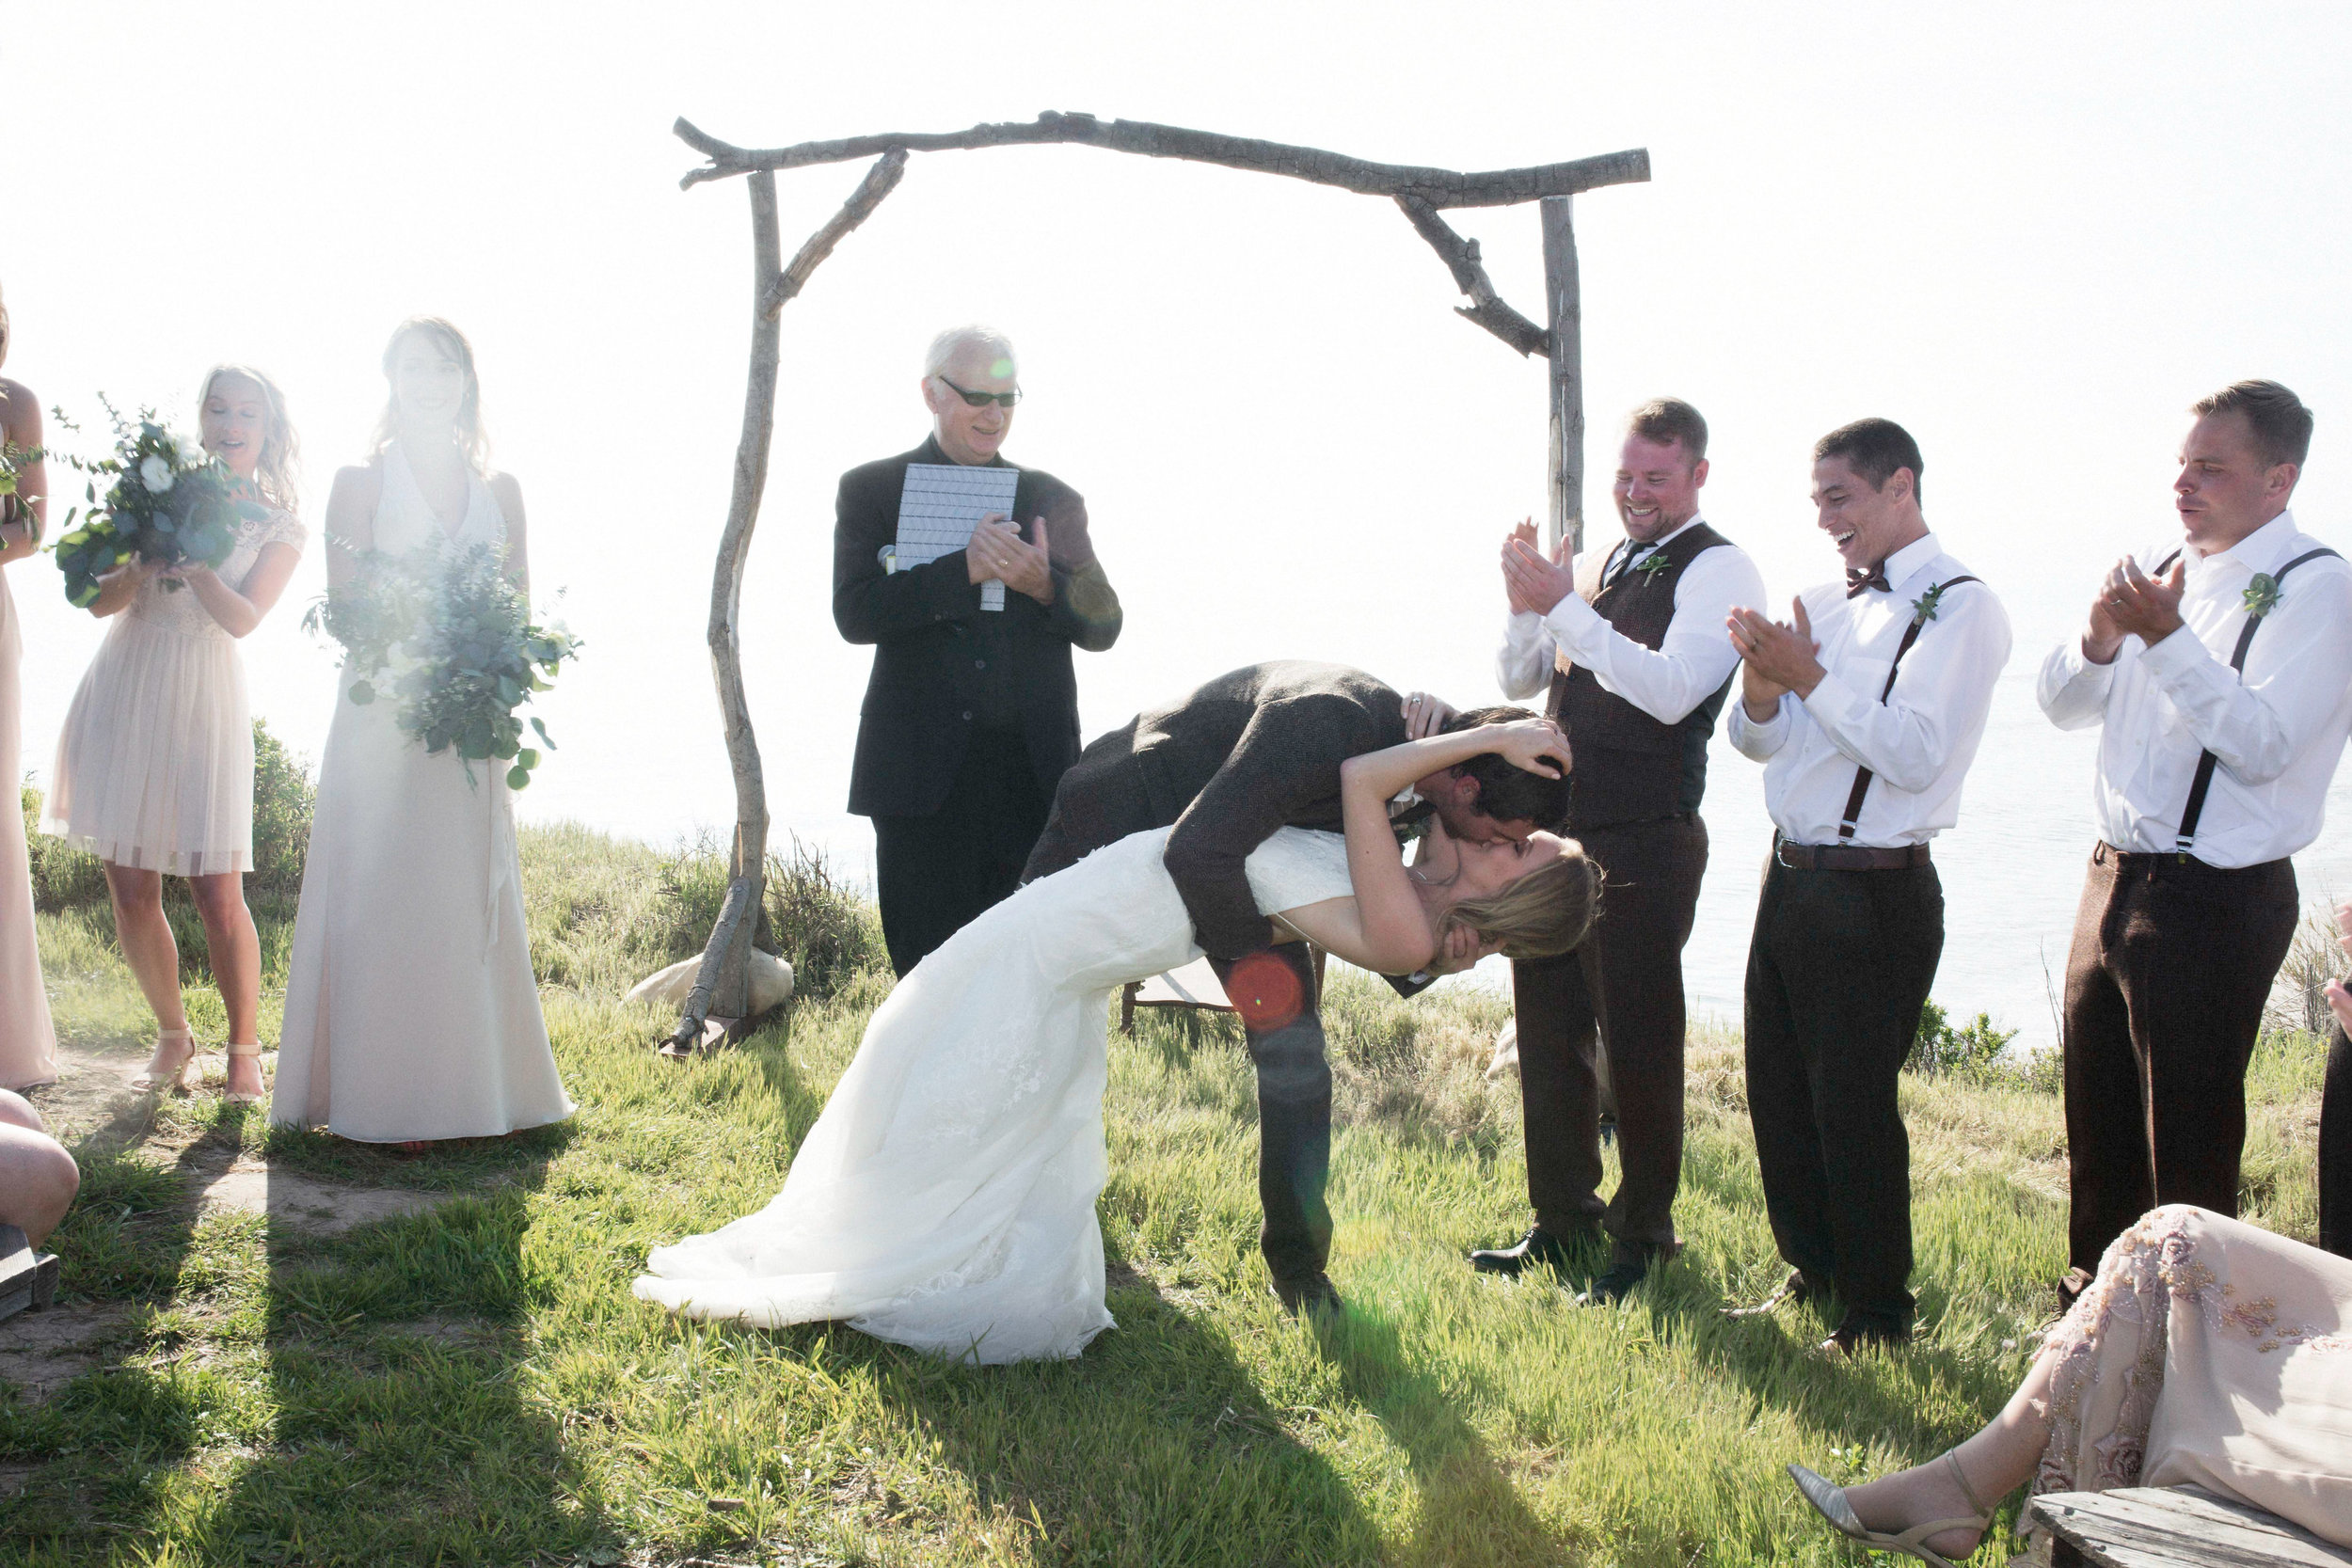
166 501
445 635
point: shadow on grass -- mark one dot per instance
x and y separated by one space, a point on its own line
1469 1510
393 1355
1154 1445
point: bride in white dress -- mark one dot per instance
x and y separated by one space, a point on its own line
946 1199
412 1012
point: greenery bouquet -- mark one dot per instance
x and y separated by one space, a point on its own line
445 635
14 460
167 501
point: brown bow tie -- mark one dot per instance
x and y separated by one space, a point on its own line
1857 580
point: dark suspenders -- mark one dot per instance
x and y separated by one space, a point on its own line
1911 635
2206 761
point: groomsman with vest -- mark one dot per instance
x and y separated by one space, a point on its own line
1630 639
2220 663
1865 709
971 715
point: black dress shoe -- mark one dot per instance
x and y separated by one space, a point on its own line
1538 1248
1614 1283
1306 1293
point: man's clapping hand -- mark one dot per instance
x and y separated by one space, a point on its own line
1535 582
1774 656
997 551
2133 604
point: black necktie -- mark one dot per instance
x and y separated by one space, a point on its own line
1857 580
1633 555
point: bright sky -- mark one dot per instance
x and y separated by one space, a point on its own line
2031 234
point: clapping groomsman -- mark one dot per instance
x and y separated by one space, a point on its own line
1865 709
2220 663
1631 643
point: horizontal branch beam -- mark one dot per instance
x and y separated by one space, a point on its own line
1461 258
1439 187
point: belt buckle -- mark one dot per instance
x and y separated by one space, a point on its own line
1780 843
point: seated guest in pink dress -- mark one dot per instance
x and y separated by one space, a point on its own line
2206 1351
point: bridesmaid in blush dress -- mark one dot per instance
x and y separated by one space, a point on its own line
154 770
28 1046
411 1009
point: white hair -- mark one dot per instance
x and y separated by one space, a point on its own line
949 346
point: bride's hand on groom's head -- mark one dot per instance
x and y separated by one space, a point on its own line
1535 745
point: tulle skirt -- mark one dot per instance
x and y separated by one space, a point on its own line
27 1043
155 763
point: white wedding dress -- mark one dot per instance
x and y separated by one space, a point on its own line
945 1197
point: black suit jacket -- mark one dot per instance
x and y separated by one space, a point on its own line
1250 751
941 664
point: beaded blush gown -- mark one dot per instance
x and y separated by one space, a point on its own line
412 1012
945 1197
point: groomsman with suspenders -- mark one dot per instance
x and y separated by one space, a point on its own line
1631 644
2220 666
1866 711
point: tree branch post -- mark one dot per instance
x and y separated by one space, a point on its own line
723 987
721 994
1563 299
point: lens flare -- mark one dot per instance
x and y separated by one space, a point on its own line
1266 992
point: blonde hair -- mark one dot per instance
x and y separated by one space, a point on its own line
471 440
273 473
1541 915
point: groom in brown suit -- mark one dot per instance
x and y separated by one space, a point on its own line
1223 768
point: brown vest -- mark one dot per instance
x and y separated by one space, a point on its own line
1629 767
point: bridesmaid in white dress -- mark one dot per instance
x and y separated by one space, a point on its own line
154 771
28 1046
411 1009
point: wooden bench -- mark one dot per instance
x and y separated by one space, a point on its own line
27 1278
2174 1526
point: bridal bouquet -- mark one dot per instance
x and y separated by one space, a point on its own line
167 501
444 635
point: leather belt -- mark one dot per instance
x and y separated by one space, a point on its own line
1847 857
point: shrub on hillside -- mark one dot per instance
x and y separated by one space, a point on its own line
65 878
1977 1054
830 932
2299 999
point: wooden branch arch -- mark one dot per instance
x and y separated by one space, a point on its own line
720 1000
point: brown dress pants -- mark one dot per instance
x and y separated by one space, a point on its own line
1622 991
2171 964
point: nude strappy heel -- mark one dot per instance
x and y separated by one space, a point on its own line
254 1051
180 1076
1829 1500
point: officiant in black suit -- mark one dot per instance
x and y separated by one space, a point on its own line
971 715
1251 752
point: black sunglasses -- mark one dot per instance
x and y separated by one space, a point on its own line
981 400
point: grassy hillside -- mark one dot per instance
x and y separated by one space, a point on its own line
473 1384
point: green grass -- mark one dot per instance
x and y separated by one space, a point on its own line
476 1386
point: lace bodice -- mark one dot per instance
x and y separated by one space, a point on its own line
1297 867
178 609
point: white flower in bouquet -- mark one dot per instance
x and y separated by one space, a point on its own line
186 449
156 473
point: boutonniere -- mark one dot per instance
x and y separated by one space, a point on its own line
2262 596
1923 608
1650 565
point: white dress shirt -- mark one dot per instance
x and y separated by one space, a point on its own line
1689 661
1918 743
2278 733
